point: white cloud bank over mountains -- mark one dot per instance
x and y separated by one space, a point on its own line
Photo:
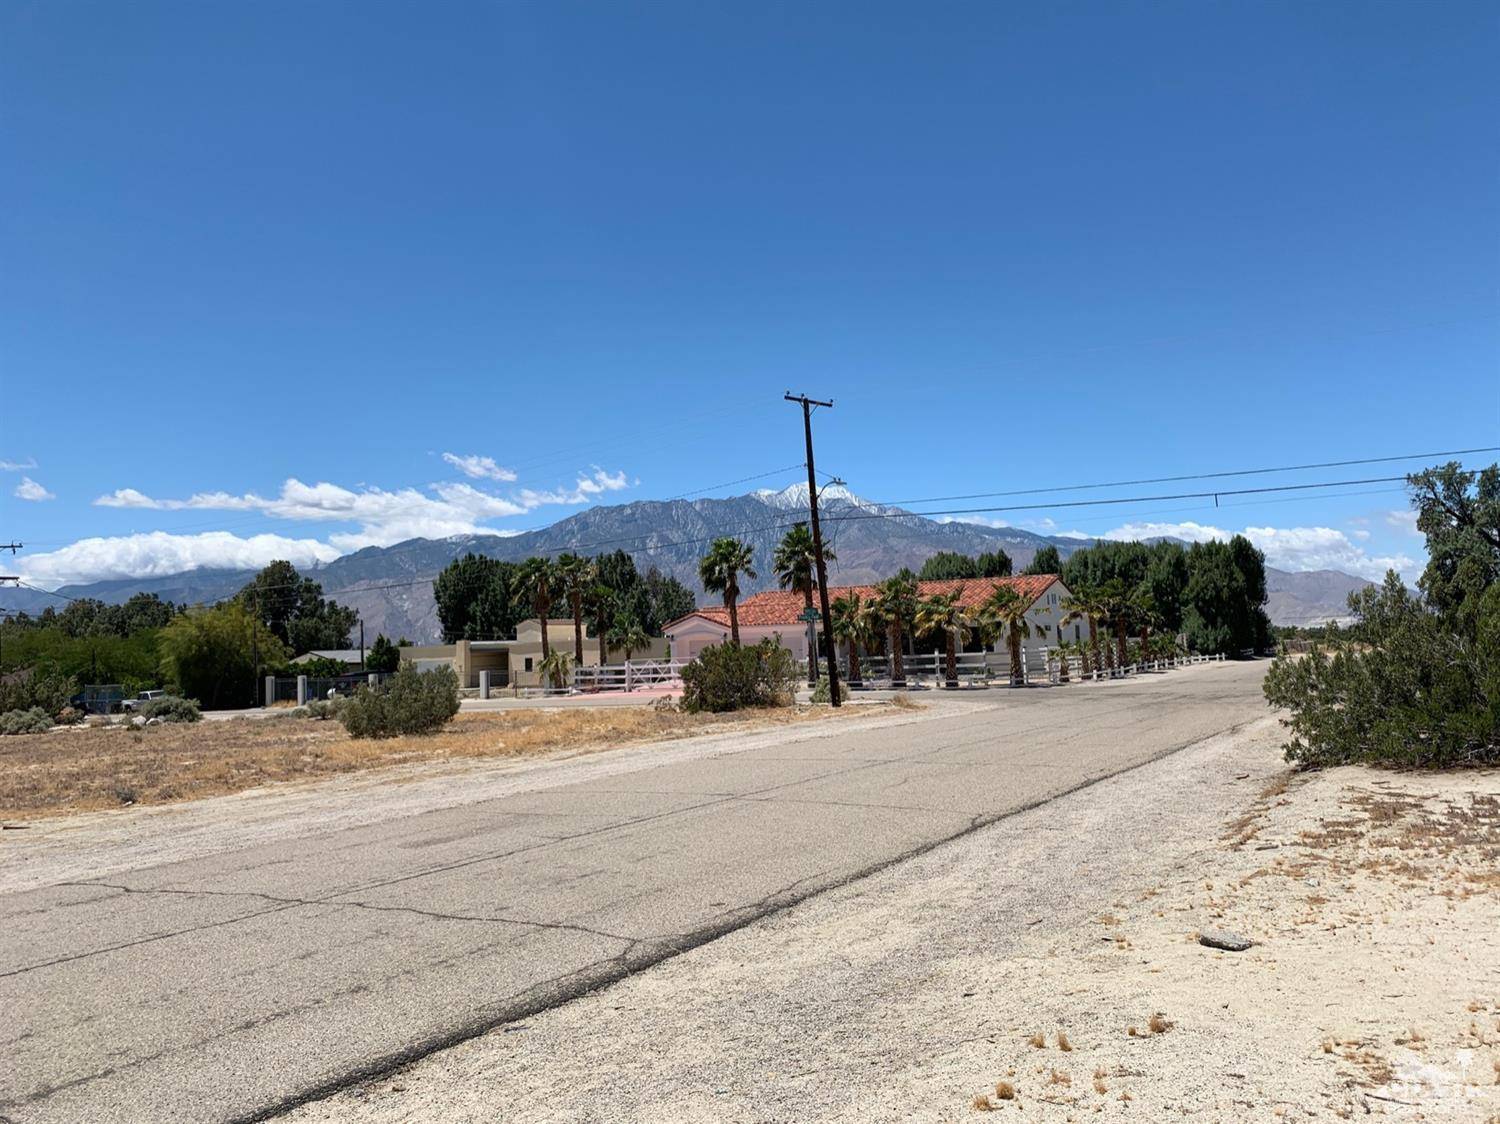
381 517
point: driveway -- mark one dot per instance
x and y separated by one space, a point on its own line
237 984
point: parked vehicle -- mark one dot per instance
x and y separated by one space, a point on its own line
141 700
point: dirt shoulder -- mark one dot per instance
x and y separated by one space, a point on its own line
1047 966
85 769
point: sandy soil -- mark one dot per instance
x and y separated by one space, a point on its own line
1046 967
83 768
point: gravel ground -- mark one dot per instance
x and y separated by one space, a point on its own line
1047 967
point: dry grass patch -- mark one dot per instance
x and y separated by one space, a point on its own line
85 769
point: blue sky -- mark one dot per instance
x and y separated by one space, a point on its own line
289 279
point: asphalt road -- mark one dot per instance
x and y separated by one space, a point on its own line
236 985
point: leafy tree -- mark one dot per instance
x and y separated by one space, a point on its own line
209 654
993 564
1165 582
576 579
383 656
948 565
659 599
474 601
1225 593
1045 561
720 571
294 609
1459 512
795 563
535 585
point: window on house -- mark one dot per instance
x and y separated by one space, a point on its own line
1075 633
528 663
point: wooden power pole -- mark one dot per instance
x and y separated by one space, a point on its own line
817 534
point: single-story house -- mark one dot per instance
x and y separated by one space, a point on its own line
514 662
349 657
777 613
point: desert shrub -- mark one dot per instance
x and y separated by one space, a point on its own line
34 720
170 708
321 709
409 702
821 693
27 689
70 716
1405 688
726 677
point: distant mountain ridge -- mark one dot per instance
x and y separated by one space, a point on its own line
391 586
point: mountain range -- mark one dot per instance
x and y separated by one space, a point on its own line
391 586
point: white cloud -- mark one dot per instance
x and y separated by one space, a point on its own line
479 468
1404 519
17 466
158 553
384 517
29 489
1288 548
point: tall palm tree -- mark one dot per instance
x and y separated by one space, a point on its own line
1009 608
1086 604
796 566
536 587
942 613
629 635
720 571
575 579
896 599
854 623
1117 609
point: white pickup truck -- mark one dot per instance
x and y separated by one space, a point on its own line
142 699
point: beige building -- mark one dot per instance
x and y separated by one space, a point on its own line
514 663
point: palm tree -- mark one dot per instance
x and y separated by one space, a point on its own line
720 570
1009 608
1062 662
575 580
629 635
1085 604
942 613
853 623
1118 609
795 563
896 600
536 587
556 666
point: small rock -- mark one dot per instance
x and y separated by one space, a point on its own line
1222 938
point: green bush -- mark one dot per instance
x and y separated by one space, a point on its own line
32 721
821 693
170 708
321 709
409 702
1403 690
32 689
725 677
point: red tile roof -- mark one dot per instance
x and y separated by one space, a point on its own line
782 607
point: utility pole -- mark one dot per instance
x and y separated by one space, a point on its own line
812 501
361 643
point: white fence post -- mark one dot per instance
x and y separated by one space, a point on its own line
301 690
484 684
270 690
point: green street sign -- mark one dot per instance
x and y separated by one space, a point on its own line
811 616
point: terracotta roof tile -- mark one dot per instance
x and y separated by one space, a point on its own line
778 607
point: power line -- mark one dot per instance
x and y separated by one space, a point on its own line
1191 476
731 483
